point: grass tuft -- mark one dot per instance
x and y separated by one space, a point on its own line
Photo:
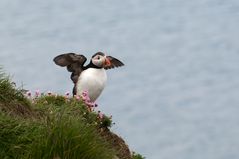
137 156
12 100
17 136
68 136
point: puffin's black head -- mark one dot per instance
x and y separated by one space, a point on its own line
98 53
100 60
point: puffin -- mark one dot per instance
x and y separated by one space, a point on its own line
91 77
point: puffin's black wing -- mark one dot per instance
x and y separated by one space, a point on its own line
73 62
113 63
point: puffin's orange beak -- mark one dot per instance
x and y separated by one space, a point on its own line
107 62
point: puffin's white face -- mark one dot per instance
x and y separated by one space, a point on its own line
99 60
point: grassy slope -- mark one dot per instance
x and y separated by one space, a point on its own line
53 127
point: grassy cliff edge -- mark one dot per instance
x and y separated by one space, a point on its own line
54 127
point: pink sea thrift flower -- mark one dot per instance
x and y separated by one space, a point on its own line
85 96
37 93
100 115
86 99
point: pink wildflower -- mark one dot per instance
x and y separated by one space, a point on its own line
37 93
85 96
86 99
85 93
100 115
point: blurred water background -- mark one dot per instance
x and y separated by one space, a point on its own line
177 96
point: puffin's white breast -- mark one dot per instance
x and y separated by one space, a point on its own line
92 80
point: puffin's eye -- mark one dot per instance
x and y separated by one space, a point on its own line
98 57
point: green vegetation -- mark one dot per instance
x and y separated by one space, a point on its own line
11 99
54 127
137 156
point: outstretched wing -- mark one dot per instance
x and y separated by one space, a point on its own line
73 62
113 63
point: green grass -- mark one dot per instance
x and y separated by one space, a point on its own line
53 127
16 136
59 135
68 136
11 99
73 107
137 156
